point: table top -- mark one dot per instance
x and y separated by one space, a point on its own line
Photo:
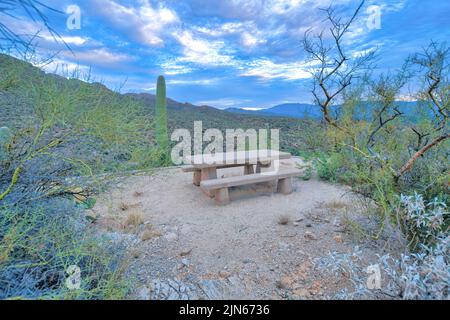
235 158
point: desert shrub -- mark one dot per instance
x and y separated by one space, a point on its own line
63 134
8 80
109 132
38 244
43 230
423 222
330 167
378 143
420 273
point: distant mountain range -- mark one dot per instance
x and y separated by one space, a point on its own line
310 111
290 110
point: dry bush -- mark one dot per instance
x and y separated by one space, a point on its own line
149 233
123 206
133 220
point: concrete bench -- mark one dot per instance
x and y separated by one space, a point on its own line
219 187
200 174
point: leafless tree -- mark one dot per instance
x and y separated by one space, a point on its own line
334 68
433 62
34 9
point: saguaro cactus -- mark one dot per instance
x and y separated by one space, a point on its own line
161 114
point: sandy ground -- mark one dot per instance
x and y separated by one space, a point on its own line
262 245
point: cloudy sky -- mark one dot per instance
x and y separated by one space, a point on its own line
225 53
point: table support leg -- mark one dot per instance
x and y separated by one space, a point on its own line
285 186
222 196
197 177
260 165
248 169
207 174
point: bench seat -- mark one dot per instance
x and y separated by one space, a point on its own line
189 168
220 186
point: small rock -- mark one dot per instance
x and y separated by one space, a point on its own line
171 236
211 289
185 252
300 218
180 266
337 222
310 236
296 224
315 288
143 293
246 261
224 274
185 262
301 293
308 225
285 282
283 245
234 280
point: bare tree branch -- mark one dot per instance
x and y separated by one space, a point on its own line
334 72
408 165
34 9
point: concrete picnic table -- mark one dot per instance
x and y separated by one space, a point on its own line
204 166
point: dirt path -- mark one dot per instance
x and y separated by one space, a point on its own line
183 246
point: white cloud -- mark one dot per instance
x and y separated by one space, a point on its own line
144 22
282 6
78 41
249 34
201 51
221 30
252 109
187 82
201 82
66 68
266 69
172 68
101 57
223 103
250 40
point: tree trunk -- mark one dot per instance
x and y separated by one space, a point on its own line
408 165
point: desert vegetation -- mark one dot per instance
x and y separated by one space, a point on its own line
64 139
393 154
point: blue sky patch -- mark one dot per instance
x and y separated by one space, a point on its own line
230 53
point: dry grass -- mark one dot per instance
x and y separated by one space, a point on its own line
109 223
133 219
123 206
149 233
335 205
127 206
354 228
284 220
